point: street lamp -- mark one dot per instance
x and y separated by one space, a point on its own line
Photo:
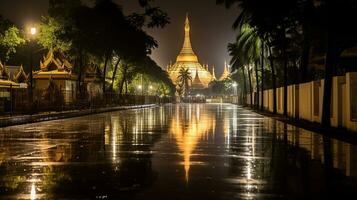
33 32
235 85
140 87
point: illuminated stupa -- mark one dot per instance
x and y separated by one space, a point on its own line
187 59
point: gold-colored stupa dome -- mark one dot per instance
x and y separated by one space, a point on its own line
188 59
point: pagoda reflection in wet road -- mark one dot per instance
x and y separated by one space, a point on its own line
183 151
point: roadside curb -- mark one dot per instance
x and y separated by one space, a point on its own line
333 132
28 119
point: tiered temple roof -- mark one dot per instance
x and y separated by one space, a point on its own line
7 82
21 76
93 73
197 84
54 65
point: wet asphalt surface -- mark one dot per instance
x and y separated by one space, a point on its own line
183 151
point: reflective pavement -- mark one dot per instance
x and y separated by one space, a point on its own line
183 151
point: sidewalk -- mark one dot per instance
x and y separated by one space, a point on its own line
25 119
333 132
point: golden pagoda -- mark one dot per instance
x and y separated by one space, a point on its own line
187 59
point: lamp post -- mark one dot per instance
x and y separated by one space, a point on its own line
33 32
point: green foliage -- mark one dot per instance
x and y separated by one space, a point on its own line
49 32
224 87
9 41
152 17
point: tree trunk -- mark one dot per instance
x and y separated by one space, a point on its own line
257 85
250 88
122 81
304 75
105 71
80 74
304 68
285 71
115 73
126 87
244 87
331 60
273 78
262 78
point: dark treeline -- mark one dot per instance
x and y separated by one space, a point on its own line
99 34
282 42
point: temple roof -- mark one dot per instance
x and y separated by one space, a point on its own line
20 76
3 72
93 73
52 62
187 54
197 84
54 65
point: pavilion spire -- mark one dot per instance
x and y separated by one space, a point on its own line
213 74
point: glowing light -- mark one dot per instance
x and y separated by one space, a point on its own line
235 84
33 192
33 31
188 130
140 87
151 87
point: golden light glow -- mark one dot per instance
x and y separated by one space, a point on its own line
33 192
187 59
33 31
189 129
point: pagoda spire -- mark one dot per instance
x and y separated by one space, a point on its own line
187 54
213 74
226 72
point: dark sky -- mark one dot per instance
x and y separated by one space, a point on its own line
210 26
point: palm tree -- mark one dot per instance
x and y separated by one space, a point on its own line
184 77
237 64
249 47
272 20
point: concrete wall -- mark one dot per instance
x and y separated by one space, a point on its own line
338 108
280 100
305 101
293 101
351 99
317 100
67 87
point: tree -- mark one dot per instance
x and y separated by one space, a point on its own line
184 77
10 39
49 31
272 20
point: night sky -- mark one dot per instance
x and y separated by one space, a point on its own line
210 26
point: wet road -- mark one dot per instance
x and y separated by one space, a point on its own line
207 151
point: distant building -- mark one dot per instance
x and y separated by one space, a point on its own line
93 82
